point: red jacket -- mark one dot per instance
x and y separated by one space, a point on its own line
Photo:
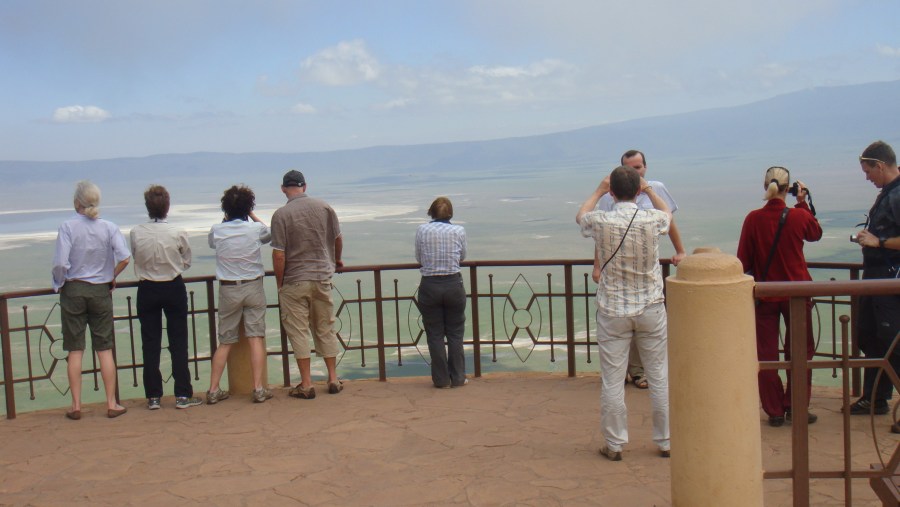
758 232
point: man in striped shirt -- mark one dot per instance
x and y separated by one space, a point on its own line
629 301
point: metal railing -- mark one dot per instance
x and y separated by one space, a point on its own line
544 305
798 366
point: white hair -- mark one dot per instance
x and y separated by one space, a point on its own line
87 199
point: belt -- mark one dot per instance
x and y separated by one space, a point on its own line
238 282
443 277
146 281
75 280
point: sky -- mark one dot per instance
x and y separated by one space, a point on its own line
99 79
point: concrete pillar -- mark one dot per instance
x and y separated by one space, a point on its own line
240 375
713 394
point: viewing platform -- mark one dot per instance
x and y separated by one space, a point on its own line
504 439
525 431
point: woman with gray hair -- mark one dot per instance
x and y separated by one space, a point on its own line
90 254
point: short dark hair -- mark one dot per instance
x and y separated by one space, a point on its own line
879 150
624 183
237 202
631 153
156 198
441 209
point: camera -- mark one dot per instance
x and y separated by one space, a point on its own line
854 239
795 189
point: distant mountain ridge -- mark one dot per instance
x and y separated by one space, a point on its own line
818 121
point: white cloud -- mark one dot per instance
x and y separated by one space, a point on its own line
301 108
348 63
395 104
537 69
544 80
768 75
80 114
637 32
772 71
481 70
267 87
888 51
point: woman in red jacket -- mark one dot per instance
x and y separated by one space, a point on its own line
787 263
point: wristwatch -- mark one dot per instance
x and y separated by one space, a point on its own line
881 241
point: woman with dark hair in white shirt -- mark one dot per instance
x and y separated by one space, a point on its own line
161 253
239 269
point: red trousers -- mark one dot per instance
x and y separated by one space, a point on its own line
775 399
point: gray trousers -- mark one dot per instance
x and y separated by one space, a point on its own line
442 303
614 337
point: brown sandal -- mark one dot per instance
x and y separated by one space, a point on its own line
303 394
112 413
640 382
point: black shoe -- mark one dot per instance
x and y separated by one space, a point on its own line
776 421
810 417
863 407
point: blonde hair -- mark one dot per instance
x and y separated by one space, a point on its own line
87 199
777 181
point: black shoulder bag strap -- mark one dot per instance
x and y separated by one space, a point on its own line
621 241
784 215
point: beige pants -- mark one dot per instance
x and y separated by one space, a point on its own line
307 311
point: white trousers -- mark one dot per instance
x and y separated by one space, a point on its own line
614 337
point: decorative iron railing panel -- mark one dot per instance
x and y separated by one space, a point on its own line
521 314
536 314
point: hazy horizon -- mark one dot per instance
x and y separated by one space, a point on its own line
517 196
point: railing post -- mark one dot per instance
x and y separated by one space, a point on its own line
856 375
9 387
799 401
379 323
240 364
211 315
570 319
845 402
715 430
476 332
285 361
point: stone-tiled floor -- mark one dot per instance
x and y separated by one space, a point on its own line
505 439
